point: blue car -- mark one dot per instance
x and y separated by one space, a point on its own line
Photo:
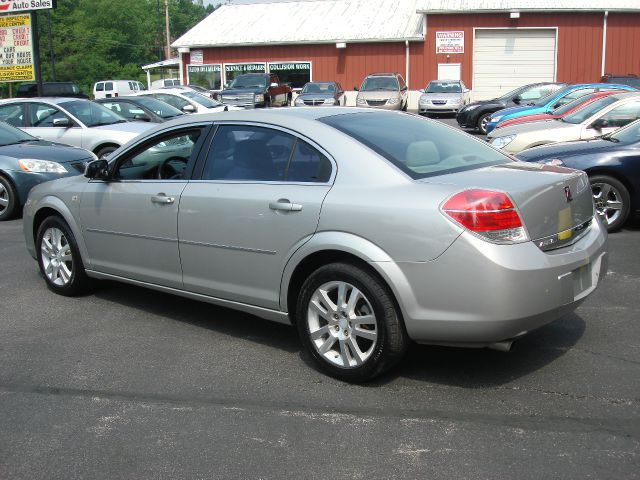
552 101
26 161
612 163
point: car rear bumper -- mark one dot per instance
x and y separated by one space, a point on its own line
478 293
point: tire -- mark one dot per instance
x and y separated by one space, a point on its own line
482 123
104 151
55 243
369 350
267 102
288 103
404 108
9 200
612 201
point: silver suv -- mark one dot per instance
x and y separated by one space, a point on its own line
383 90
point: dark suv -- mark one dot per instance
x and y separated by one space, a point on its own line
476 115
630 79
50 89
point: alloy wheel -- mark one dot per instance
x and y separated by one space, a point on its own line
342 324
57 259
608 201
4 198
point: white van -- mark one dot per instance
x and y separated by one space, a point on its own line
116 88
165 82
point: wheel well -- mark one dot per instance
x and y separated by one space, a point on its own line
610 173
100 147
316 260
41 215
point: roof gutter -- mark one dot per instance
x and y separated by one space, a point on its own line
303 42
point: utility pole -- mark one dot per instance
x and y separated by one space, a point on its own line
166 23
52 58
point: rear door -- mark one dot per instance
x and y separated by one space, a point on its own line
257 200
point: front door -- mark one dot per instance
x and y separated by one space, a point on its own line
258 200
41 119
130 222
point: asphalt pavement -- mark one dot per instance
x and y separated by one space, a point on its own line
131 383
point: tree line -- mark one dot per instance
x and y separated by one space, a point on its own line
108 39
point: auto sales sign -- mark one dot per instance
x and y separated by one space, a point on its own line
10 6
16 52
450 42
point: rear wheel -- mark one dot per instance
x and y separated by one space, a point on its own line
9 202
611 199
482 123
348 323
59 258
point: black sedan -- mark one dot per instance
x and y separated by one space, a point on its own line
321 93
476 115
143 108
613 165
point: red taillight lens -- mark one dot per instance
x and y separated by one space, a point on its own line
489 213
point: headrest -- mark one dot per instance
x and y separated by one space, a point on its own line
420 154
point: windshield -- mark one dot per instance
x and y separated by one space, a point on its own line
386 84
424 149
628 134
161 109
443 87
587 111
249 81
319 88
201 99
10 135
92 114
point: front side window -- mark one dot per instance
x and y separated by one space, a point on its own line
622 115
92 114
628 134
164 158
162 109
100 87
108 86
172 100
126 109
424 148
201 99
43 115
571 96
587 111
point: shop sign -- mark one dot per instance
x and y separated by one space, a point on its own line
204 68
197 57
16 49
450 42
245 67
293 66
11 6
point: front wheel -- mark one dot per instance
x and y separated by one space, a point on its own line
348 323
59 258
611 199
9 202
482 123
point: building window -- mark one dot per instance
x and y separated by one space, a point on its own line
294 73
206 76
232 70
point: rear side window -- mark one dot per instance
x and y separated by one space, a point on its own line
100 87
308 164
419 147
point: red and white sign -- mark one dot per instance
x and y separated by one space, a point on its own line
9 6
197 57
450 42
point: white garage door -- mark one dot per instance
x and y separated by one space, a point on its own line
504 59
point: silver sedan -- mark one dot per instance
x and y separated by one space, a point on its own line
331 221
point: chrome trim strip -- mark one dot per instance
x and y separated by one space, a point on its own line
229 247
553 242
131 235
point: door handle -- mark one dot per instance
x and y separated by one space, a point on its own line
162 199
285 205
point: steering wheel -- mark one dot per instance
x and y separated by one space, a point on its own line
167 171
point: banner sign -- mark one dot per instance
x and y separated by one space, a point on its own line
450 42
204 68
245 68
11 6
285 67
16 49
197 57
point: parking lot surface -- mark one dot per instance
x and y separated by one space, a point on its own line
131 383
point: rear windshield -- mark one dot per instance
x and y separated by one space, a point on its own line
419 147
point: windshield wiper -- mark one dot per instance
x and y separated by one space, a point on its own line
609 138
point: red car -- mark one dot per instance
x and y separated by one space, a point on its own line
559 112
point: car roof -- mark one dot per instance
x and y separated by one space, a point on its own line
54 100
382 75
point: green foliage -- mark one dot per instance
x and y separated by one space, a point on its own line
110 39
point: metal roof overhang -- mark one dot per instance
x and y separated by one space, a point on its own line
309 42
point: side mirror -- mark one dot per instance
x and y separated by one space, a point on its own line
600 123
142 117
188 109
97 169
61 122
273 85
517 99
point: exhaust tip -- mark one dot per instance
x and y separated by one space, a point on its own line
503 346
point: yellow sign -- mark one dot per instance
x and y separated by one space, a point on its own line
16 49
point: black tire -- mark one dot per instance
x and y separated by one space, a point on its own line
609 192
404 108
267 102
104 151
482 123
9 195
382 353
288 104
77 282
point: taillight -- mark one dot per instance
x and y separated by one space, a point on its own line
489 214
115 94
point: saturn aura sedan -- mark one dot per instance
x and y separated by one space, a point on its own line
443 96
329 220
